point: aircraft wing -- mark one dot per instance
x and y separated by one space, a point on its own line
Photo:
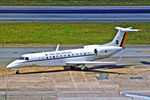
133 95
89 62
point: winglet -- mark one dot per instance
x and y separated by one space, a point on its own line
57 48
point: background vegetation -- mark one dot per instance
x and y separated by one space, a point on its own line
69 33
74 2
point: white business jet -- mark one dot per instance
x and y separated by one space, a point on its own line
80 57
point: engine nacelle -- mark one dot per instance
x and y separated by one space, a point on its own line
106 50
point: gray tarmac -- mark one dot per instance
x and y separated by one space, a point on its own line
139 55
75 14
15 17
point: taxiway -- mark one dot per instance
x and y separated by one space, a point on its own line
75 14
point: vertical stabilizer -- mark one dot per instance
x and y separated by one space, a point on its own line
57 48
120 37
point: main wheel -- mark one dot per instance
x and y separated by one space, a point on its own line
72 67
84 68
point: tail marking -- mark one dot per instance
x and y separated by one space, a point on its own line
124 39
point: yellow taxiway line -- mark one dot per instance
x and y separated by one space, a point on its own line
145 51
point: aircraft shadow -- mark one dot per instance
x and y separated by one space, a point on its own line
109 66
51 71
88 70
145 62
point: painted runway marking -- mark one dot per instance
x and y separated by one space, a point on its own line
74 83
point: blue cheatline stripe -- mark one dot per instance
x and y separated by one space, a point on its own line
79 11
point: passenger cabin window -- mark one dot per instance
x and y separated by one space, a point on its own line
21 58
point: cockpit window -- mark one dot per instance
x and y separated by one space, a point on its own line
21 58
24 58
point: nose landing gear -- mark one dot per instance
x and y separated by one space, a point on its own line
15 69
17 72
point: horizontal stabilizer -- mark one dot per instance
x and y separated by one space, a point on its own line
129 29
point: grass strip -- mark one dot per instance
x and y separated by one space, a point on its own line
69 33
74 2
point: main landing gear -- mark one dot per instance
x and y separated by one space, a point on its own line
79 67
84 68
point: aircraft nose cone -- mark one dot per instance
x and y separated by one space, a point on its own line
10 65
13 64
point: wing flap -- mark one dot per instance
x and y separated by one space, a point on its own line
89 62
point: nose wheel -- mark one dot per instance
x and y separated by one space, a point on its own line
15 69
17 72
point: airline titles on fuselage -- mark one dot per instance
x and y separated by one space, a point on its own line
66 53
58 54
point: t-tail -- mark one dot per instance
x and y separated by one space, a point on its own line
120 37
